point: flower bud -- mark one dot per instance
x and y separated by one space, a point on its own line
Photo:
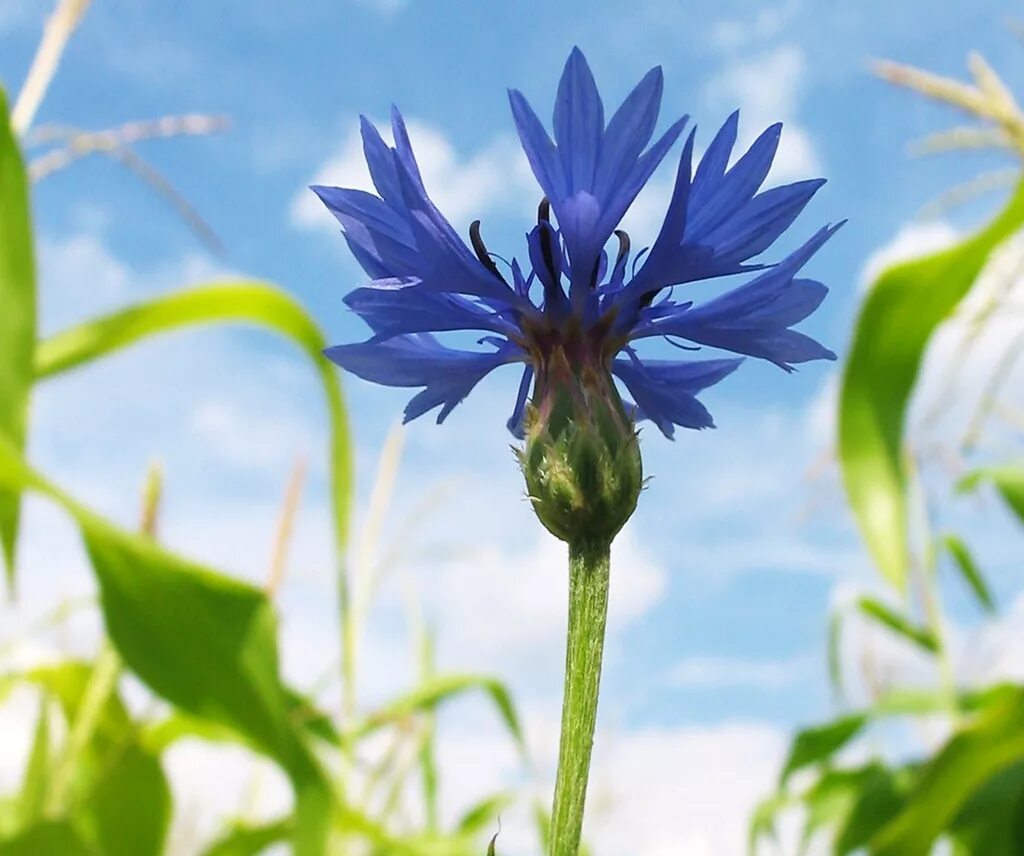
582 457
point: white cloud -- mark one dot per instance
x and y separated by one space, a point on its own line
995 652
684 791
769 21
531 587
80 277
252 440
215 782
912 240
494 179
724 672
768 89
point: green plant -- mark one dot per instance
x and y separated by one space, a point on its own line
970 791
204 644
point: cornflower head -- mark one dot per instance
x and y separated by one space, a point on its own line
572 310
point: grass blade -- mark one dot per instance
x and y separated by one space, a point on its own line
902 310
17 320
243 301
881 613
969 571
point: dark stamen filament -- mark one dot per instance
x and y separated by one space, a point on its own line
480 248
680 345
546 250
623 246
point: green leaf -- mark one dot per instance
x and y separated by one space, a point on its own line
33 787
431 693
1008 480
763 820
17 320
244 301
484 814
818 744
67 683
986 747
122 800
969 571
901 312
881 613
882 794
250 840
128 809
992 820
840 802
57 838
203 641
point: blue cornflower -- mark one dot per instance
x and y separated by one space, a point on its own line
575 312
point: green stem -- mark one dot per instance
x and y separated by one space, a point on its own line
588 611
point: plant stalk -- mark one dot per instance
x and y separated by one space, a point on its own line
588 612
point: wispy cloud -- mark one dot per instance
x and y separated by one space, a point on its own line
711 672
768 88
494 179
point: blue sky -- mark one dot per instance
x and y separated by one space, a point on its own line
738 549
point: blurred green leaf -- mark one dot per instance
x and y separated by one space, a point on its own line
818 744
484 814
306 716
160 735
128 808
67 682
203 641
17 319
831 802
33 787
762 820
249 840
882 793
244 301
121 800
969 571
901 312
433 692
1008 480
51 838
989 745
881 613
835 665
992 820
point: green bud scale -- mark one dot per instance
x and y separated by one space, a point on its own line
582 455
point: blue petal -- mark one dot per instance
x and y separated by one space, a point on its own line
447 375
665 391
515 421
629 130
393 307
540 151
578 122
380 159
401 234
715 160
754 318
718 221
591 174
